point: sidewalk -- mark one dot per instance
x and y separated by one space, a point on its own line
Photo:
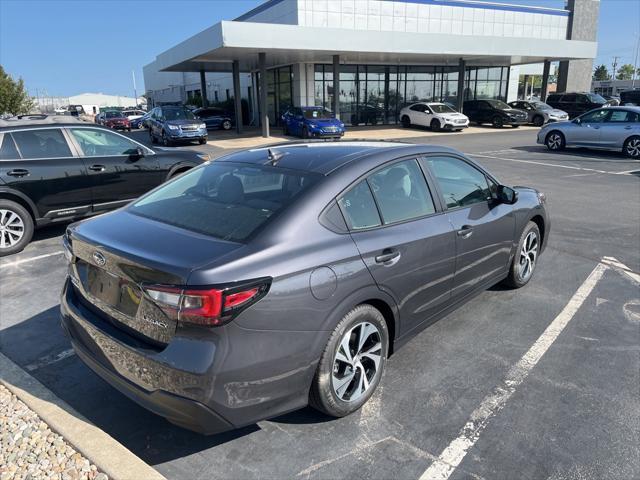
252 137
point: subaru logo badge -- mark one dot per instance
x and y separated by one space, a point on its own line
99 259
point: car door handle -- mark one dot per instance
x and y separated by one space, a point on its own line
628 127
97 168
18 172
387 256
465 232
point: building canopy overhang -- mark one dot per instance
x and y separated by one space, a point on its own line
213 49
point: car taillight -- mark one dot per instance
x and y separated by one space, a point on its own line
212 306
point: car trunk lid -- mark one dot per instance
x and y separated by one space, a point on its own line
117 256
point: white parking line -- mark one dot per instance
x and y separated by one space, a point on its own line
32 259
49 359
569 167
452 456
621 267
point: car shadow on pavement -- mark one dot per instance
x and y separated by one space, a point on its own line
584 153
36 344
49 232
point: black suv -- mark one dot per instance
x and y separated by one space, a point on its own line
630 97
56 172
495 112
576 103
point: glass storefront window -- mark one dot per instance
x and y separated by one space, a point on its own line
371 94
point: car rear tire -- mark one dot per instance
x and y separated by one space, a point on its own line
435 125
555 141
226 125
352 363
538 120
406 121
165 141
497 122
16 227
525 259
632 147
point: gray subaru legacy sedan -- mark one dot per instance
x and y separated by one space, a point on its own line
275 278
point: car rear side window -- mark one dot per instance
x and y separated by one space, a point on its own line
8 150
359 207
44 143
461 184
401 192
225 200
623 116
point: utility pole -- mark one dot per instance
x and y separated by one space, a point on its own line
135 92
635 64
614 64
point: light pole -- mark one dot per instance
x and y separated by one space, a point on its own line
635 63
135 92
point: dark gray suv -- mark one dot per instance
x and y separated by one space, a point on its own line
274 278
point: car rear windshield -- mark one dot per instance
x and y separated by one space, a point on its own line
229 201
317 114
113 115
542 106
178 114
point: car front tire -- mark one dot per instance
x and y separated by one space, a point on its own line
16 227
406 121
555 141
352 363
435 125
525 259
226 125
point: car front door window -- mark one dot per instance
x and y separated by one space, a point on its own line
100 143
460 183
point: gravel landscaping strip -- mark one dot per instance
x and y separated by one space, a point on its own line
29 450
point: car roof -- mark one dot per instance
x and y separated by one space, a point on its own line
623 107
38 119
325 157
9 125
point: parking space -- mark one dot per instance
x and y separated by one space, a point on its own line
447 406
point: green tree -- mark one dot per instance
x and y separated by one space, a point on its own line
14 99
601 73
625 72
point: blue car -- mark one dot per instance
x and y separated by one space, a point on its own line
312 122
140 122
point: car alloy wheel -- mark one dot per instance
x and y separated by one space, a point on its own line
165 140
528 256
11 228
226 125
555 141
498 122
538 120
435 125
632 147
356 362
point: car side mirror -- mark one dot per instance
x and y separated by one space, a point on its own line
137 154
507 195
577 121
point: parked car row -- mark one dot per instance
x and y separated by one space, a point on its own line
55 170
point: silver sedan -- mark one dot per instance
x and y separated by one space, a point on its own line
540 113
609 128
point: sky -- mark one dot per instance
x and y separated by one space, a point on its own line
67 47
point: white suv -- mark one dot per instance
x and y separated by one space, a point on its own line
437 116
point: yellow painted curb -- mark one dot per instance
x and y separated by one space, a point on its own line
101 449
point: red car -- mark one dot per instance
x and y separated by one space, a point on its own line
115 120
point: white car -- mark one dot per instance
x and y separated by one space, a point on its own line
437 116
133 114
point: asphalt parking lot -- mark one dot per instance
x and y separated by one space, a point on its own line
448 403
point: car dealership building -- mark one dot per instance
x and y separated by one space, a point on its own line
366 59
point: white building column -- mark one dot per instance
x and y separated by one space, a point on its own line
303 84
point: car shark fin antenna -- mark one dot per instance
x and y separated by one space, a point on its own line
274 157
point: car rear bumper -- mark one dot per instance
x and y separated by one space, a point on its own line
220 379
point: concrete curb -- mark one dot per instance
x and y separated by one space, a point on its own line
101 449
